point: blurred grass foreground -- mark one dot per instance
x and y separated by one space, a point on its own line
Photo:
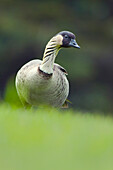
50 139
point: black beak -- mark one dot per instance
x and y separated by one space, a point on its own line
74 44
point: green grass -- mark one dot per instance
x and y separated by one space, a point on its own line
48 139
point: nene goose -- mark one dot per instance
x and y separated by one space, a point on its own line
44 82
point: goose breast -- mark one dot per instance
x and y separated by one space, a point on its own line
37 88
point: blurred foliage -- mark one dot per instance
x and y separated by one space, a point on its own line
26 26
11 96
47 139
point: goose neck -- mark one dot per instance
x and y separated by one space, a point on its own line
49 56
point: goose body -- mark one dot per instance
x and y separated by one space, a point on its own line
42 82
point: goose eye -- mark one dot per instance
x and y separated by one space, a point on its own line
66 36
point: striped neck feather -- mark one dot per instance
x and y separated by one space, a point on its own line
49 56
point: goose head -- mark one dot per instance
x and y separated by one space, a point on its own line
66 39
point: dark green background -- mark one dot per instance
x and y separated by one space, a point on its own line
27 25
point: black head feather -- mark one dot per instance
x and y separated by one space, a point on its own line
67 36
68 39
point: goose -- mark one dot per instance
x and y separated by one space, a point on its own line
43 82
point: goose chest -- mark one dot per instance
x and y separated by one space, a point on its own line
36 87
